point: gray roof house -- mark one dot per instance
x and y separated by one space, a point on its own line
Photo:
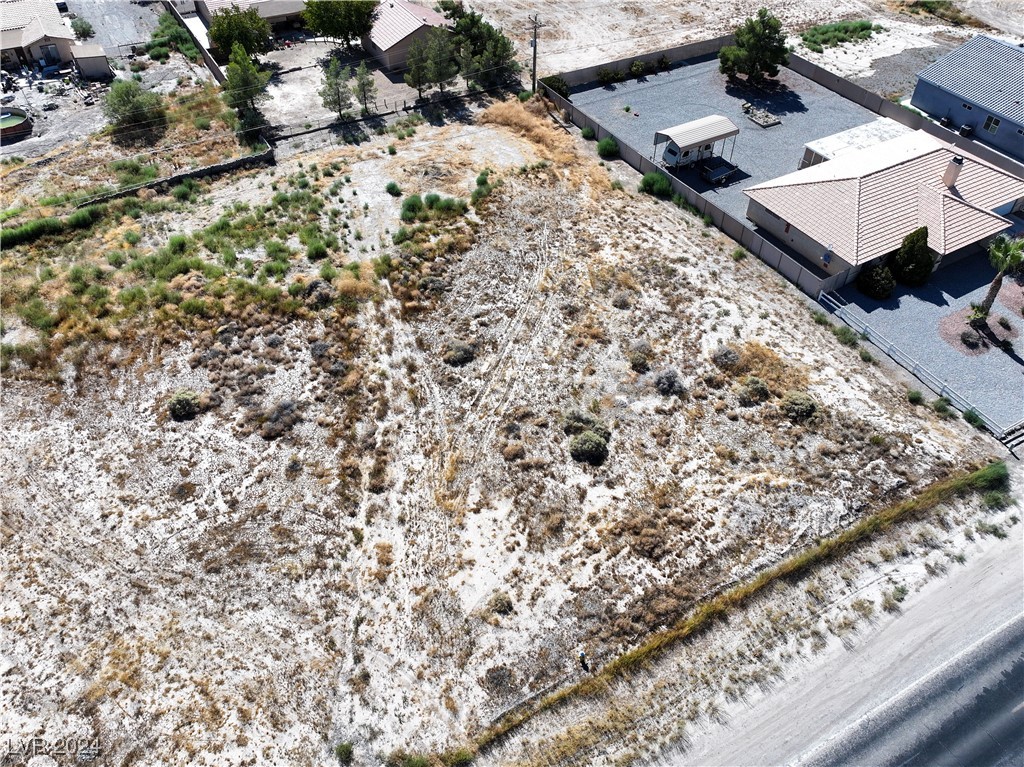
978 89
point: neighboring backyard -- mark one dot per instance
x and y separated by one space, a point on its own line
695 89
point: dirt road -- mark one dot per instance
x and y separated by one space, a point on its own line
836 689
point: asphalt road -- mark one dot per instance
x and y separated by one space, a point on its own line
955 638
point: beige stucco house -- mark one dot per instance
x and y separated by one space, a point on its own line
32 33
397 26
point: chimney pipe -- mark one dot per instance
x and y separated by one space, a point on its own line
953 171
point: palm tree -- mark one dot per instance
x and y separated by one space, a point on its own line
1006 254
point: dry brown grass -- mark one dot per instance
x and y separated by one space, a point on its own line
756 359
553 144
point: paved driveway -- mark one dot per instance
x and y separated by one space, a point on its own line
913 319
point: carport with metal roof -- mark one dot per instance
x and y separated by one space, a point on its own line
698 133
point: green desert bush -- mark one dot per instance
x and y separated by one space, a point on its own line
656 184
798 405
184 405
588 133
608 148
393 189
588 447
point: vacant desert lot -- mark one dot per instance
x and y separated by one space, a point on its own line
357 541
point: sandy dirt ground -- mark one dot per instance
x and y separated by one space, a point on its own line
611 29
420 552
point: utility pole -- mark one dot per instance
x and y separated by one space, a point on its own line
535 22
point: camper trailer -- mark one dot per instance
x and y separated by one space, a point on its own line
672 157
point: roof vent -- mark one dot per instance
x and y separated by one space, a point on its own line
953 171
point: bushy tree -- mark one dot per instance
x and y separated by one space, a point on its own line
245 85
246 28
1006 255
442 69
364 87
346 21
759 51
130 108
485 54
876 281
417 74
336 94
913 262
83 29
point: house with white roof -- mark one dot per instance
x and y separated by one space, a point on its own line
33 33
849 211
397 26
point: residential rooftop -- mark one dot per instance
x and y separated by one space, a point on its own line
985 71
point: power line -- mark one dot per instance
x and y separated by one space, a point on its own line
535 26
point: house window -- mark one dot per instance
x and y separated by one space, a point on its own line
968 107
991 124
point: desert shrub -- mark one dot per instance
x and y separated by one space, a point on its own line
412 206
974 419
942 407
753 391
85 217
663 63
202 123
195 307
621 300
576 422
638 68
316 250
402 235
431 200
343 753
738 254
557 84
501 603
971 339
447 207
876 282
639 362
847 336
588 447
279 419
132 237
36 315
607 75
656 184
185 191
30 231
668 384
132 298
459 353
914 397
996 500
177 244
461 757
608 147
184 405
725 357
865 355
830 35
159 53
913 262
588 133
798 405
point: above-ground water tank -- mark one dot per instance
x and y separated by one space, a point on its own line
14 124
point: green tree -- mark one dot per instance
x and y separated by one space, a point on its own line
759 50
246 28
1006 254
442 69
913 262
365 88
245 84
83 29
417 74
484 53
346 21
129 107
336 94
